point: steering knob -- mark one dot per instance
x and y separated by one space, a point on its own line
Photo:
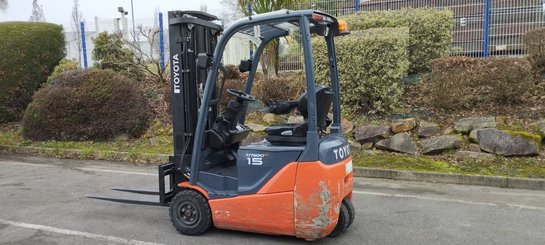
241 95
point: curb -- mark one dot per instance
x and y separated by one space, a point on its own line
434 177
446 178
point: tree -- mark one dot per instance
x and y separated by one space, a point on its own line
37 12
148 60
110 53
3 5
270 57
76 20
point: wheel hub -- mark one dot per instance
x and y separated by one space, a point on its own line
189 214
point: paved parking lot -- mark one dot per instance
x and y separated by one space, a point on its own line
46 201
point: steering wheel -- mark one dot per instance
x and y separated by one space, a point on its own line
241 95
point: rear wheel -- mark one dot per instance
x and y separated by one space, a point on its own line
190 213
351 211
342 223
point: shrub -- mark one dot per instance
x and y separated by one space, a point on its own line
371 63
464 83
429 30
87 105
64 66
287 86
28 54
109 53
234 80
534 42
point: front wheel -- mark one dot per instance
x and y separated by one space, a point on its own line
190 213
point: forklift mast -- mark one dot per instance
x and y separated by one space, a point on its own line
193 36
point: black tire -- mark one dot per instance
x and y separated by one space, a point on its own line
342 224
190 213
351 211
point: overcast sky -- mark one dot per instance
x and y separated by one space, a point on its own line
59 11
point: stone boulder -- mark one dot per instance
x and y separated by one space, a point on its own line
272 118
473 135
347 126
426 130
505 144
371 133
255 127
401 142
296 119
465 125
440 144
403 125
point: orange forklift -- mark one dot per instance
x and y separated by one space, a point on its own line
296 182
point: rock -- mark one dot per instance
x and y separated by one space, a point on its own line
272 118
471 154
153 141
440 144
367 146
473 135
403 125
347 126
505 144
255 127
474 148
465 125
426 129
401 142
354 144
371 133
295 119
448 130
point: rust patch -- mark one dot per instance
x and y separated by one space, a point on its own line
323 220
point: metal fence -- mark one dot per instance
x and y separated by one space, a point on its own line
482 28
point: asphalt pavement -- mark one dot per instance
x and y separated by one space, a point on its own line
47 201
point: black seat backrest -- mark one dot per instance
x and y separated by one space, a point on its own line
324 97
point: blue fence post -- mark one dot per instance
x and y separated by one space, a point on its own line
161 41
357 5
486 28
83 44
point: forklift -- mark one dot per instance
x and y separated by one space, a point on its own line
296 182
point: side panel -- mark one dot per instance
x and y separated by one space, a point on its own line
260 213
257 165
319 191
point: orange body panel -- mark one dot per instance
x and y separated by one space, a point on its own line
194 187
283 181
319 191
302 199
260 213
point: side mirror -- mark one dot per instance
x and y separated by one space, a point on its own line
204 61
245 65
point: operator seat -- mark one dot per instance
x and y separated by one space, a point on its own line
296 134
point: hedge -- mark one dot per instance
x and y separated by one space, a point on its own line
534 42
370 63
87 105
28 54
461 83
429 30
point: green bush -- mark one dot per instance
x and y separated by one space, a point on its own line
429 30
87 105
371 63
64 66
460 83
110 53
534 42
28 54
